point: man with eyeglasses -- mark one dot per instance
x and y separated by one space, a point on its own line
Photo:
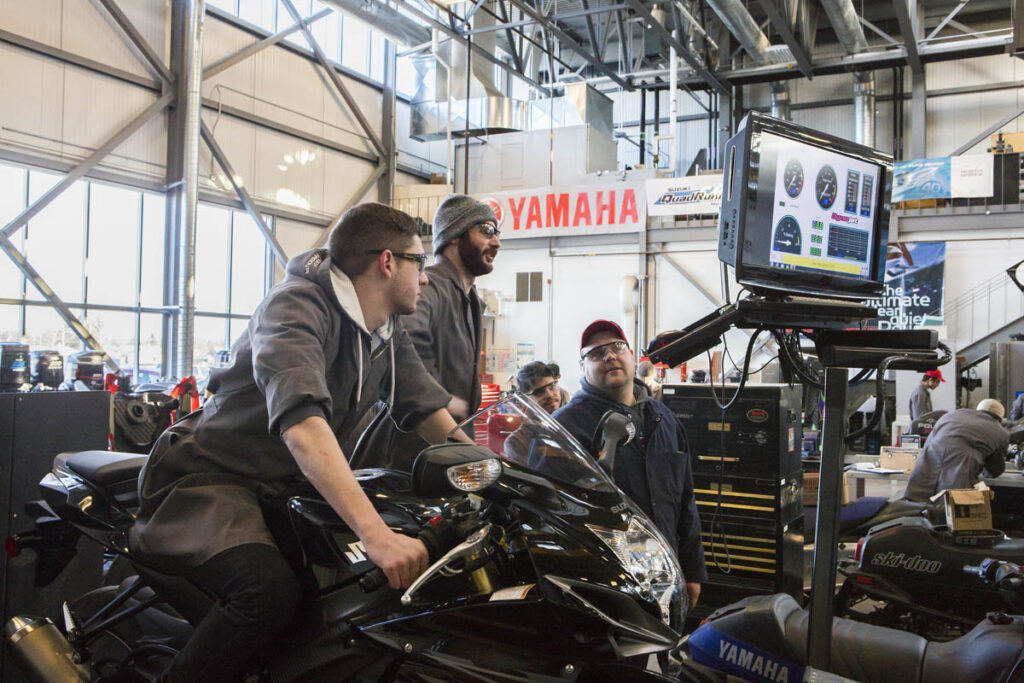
320 350
654 467
447 325
537 381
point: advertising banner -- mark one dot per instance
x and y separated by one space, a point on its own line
971 175
689 196
921 179
577 210
914 281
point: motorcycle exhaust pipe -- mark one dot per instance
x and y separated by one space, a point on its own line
43 654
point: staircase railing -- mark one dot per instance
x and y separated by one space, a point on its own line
991 305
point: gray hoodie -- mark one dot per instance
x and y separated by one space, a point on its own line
306 352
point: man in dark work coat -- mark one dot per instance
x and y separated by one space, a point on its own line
446 327
322 347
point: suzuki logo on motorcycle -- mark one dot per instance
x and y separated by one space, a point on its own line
915 563
757 415
356 553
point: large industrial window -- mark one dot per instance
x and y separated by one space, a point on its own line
101 248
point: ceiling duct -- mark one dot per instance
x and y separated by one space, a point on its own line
475 94
743 27
780 100
846 24
843 17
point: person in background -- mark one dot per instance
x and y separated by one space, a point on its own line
536 380
962 444
921 398
446 327
323 346
556 372
1017 409
654 467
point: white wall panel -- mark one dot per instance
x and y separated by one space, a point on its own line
288 90
295 237
95 107
340 124
39 20
238 141
953 120
288 171
87 30
31 111
237 82
967 72
343 175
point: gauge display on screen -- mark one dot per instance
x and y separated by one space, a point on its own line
793 178
787 236
825 187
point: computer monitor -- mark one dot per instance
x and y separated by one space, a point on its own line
804 212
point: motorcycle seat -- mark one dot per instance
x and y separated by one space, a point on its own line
103 468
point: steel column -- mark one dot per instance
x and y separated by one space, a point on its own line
909 33
386 186
826 538
918 115
191 107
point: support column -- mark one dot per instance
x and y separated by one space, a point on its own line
918 116
174 191
183 143
386 184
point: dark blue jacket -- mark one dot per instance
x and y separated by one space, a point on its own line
670 483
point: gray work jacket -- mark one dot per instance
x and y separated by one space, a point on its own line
962 443
301 356
446 330
920 402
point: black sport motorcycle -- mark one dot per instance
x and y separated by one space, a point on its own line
542 570
764 638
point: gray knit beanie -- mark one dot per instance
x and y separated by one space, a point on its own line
456 214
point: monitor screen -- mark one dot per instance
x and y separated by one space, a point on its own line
804 212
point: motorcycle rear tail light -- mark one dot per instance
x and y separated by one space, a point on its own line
474 476
867 580
12 547
860 548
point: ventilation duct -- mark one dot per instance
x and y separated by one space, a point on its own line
864 108
843 17
743 27
475 94
780 100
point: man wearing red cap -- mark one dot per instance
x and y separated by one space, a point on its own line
921 398
654 467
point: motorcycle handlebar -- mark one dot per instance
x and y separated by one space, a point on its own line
439 535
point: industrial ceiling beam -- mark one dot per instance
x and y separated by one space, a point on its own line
86 165
623 43
708 76
136 42
571 43
339 85
513 50
909 35
948 18
782 25
243 195
249 50
595 46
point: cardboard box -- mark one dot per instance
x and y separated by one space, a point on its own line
968 511
897 458
811 489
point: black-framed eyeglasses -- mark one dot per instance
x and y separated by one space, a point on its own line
599 352
420 259
488 229
540 391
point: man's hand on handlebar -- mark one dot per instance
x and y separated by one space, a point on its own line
401 558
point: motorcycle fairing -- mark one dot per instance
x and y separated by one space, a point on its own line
711 647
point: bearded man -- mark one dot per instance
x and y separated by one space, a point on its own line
446 327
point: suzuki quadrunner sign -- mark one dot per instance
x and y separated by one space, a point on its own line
597 209
689 196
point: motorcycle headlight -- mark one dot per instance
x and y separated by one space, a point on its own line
649 561
474 476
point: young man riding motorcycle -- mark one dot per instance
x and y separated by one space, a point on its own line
321 348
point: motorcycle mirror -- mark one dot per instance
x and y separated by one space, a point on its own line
615 429
429 469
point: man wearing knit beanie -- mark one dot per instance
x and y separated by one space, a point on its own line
447 326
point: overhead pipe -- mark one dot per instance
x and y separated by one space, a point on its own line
195 11
780 100
643 124
742 26
864 107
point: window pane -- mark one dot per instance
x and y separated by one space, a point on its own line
54 238
226 5
284 20
112 268
249 265
259 12
115 331
150 338
210 337
12 202
213 226
354 40
44 329
327 32
151 292
376 56
237 328
10 317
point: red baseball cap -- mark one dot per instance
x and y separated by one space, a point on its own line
937 374
600 326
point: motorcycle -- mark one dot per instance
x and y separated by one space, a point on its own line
542 569
764 638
